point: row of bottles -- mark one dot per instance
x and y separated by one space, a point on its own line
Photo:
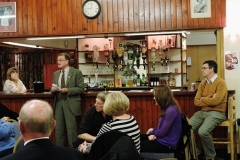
131 81
155 81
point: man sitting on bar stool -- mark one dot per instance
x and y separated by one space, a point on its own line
212 98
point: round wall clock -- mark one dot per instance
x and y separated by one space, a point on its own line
91 9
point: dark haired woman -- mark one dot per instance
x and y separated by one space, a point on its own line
164 138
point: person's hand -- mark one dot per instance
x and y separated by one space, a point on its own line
82 147
53 90
5 118
149 130
151 137
63 90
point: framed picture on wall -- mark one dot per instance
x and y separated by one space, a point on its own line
171 41
200 8
7 16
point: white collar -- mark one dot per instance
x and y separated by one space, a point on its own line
34 139
212 79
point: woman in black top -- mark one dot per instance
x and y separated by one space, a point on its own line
92 121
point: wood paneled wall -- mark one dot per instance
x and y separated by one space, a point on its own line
64 17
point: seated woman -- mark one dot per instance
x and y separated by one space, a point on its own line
92 121
164 138
7 135
116 105
13 84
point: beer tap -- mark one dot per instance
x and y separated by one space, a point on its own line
166 58
119 51
125 54
106 54
160 45
125 58
153 56
137 54
130 55
144 50
95 54
114 58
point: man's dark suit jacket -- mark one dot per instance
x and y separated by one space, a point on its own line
43 149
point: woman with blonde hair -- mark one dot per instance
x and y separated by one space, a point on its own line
13 84
116 105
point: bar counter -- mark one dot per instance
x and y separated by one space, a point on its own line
142 105
15 101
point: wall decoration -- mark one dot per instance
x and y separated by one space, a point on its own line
231 60
171 41
200 8
7 16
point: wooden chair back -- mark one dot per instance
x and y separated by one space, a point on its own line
231 124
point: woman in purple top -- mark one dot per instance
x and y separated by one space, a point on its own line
164 138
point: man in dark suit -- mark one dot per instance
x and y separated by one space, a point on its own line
36 123
69 85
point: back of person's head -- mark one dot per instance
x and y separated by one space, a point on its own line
102 96
10 71
164 97
36 117
212 64
116 104
67 57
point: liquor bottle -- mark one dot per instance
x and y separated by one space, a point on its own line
138 80
119 81
143 80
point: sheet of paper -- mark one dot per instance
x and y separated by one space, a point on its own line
56 87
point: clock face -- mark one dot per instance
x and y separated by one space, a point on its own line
91 9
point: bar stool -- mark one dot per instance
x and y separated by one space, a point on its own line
231 124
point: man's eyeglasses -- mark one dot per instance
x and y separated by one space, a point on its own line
203 68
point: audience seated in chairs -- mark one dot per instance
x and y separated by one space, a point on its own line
92 121
116 105
36 124
7 135
163 138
